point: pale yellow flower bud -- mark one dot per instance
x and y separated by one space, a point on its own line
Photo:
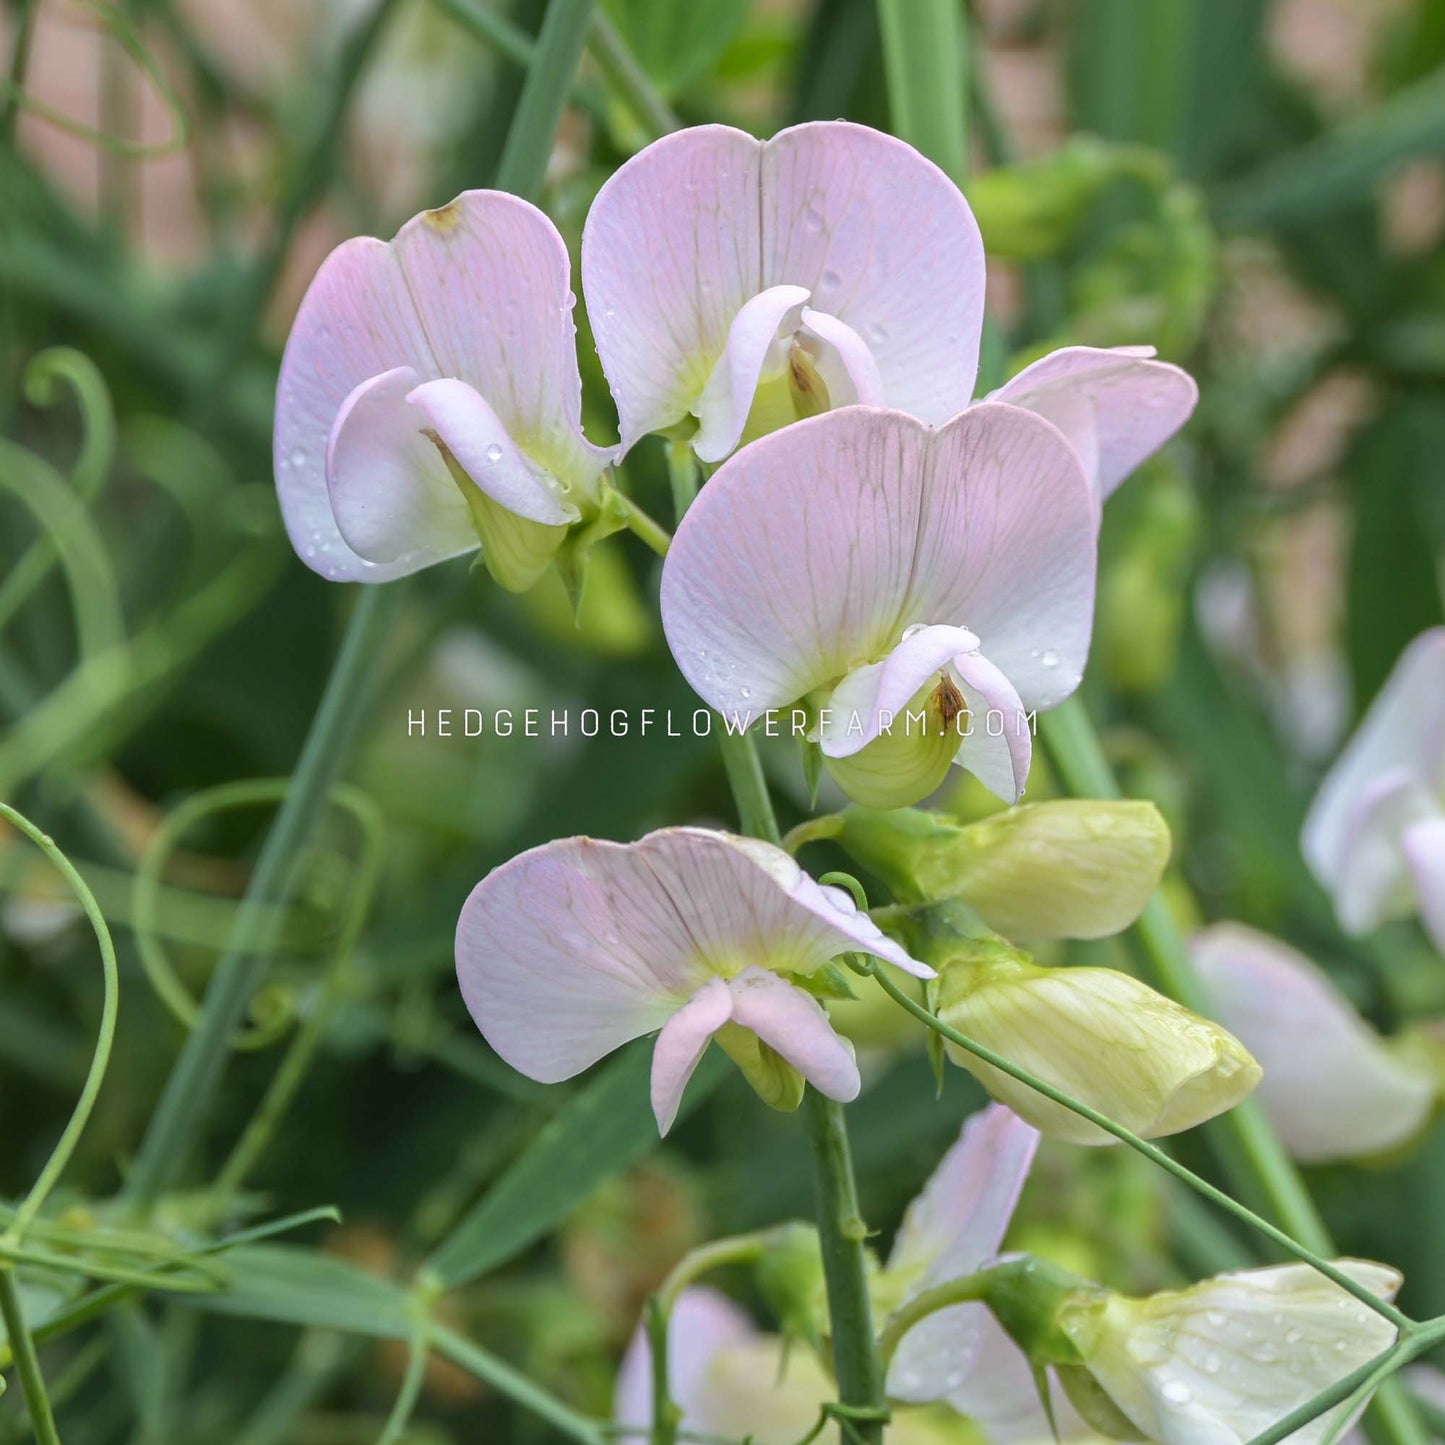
1098 1035
1065 869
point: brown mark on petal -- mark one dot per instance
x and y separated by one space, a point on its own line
949 701
443 219
809 393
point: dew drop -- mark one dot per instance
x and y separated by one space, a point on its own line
1177 1392
831 278
494 453
1217 1319
1293 1337
1050 658
746 691
1211 1364
813 218
298 457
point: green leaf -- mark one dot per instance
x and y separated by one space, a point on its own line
296 1286
677 44
605 1127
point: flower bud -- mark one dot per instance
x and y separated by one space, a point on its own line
1225 1359
1100 1036
790 1279
1065 869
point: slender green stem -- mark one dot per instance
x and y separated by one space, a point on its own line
683 475
544 96
19 64
666 1416
749 786
515 1385
842 1235
410 1392
192 1086
640 524
734 1249
1148 1150
924 59
1316 1406
27 1363
941 1297
80 1115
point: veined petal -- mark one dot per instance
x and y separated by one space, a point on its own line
475 436
1425 853
1226 1359
814 549
1373 885
875 689
1403 729
997 747
795 1026
954 1227
477 290
848 368
569 950
390 496
881 237
722 409
1117 405
681 1044
1330 1087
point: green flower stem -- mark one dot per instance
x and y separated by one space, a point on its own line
515 1385
1149 1151
27 1363
194 1080
628 79
60 1155
640 524
842 1235
417 1357
682 475
924 59
749 786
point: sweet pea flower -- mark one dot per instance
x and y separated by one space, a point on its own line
1222 1361
731 1380
737 285
912 594
429 400
1375 834
951 1230
1332 1087
572 949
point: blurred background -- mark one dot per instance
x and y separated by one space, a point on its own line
1256 186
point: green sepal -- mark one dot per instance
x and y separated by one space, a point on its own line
830 981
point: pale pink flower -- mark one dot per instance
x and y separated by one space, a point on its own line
866 568
572 949
1375 834
1332 1087
736 285
429 399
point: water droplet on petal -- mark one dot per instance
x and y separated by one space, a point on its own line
1293 1337
298 457
831 278
1177 1392
1216 1319
1050 658
746 691
494 453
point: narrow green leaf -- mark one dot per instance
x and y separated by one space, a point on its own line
604 1128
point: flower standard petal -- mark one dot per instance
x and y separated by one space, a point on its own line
1330 1087
476 291
1403 729
1117 405
883 240
816 548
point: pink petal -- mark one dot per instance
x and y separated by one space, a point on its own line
722 409
998 746
1117 406
870 691
477 290
1404 729
951 1230
794 1025
1425 853
571 949
848 368
703 1323
682 1043
703 220
670 252
480 443
391 497
817 547
1330 1087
